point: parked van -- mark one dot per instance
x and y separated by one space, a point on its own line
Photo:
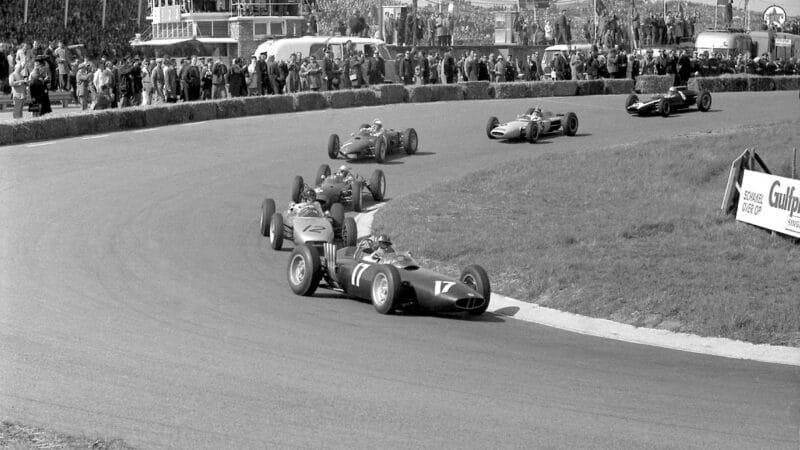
725 42
786 45
550 54
316 45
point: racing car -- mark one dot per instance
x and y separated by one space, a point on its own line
532 124
373 141
675 99
394 282
345 187
305 222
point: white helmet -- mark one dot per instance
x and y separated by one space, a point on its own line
343 171
377 124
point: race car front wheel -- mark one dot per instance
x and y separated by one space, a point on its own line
377 185
704 101
349 232
297 188
476 278
337 214
276 231
333 146
665 107
410 141
267 210
632 99
380 149
304 270
493 123
571 124
356 199
385 288
323 172
532 132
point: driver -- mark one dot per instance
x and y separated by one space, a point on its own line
307 206
537 113
376 126
344 173
382 246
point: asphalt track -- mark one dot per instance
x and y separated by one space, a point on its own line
138 301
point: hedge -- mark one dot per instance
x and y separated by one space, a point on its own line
308 101
365 97
745 83
447 92
654 84
618 86
512 90
564 88
477 90
590 87
6 133
392 93
420 94
787 83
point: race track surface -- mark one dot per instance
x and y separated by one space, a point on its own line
138 301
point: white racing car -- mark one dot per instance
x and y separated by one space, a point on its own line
305 222
532 124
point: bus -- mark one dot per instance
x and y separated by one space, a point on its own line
785 45
727 43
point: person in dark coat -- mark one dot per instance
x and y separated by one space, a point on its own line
38 82
236 82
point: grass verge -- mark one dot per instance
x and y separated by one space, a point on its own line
23 437
633 234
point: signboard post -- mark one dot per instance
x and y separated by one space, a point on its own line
770 202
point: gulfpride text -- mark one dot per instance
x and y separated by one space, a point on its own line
786 201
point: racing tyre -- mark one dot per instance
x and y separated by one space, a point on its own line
267 210
297 188
349 232
410 141
377 185
276 232
704 101
337 214
333 146
633 98
665 107
493 123
570 124
380 150
356 196
323 172
532 133
305 270
475 277
385 288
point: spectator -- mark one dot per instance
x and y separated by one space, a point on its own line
38 81
253 75
237 79
19 88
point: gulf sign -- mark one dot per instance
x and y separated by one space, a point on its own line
770 202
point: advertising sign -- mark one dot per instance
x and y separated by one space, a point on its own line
774 15
770 202
166 14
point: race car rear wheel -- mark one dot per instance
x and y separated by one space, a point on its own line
532 132
337 214
476 278
267 210
385 288
349 232
410 141
380 149
704 101
356 200
323 172
665 107
276 231
493 123
570 124
297 188
633 98
304 270
377 185
333 146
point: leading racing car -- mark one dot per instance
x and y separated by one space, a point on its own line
532 124
373 141
676 98
304 222
393 281
345 187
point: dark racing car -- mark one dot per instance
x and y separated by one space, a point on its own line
392 282
373 141
532 124
344 186
676 98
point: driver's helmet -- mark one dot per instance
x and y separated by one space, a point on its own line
308 196
384 241
537 112
673 90
376 125
343 171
